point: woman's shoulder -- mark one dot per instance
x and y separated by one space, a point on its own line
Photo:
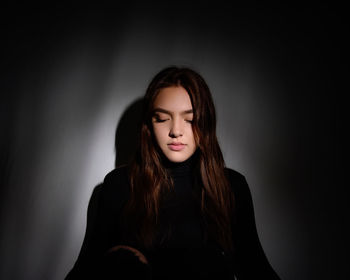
233 175
117 175
116 183
237 182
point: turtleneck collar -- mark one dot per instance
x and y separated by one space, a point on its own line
179 169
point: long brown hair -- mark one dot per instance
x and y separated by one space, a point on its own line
149 179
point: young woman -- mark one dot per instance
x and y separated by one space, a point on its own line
175 210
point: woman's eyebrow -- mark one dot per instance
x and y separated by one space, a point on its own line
161 110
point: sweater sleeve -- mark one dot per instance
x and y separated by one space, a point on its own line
85 265
250 259
102 226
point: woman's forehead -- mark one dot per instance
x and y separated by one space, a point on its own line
174 100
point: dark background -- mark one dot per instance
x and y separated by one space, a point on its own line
71 79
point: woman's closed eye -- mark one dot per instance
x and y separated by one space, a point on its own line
158 120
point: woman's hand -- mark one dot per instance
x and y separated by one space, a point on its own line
136 252
124 262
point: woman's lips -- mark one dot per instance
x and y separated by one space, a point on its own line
176 147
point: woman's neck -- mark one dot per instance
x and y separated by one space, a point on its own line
181 168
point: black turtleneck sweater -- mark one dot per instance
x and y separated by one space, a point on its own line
181 249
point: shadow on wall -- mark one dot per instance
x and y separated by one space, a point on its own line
127 133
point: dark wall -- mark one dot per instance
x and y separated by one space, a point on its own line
70 85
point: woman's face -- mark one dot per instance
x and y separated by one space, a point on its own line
172 123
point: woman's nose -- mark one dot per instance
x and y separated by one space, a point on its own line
176 129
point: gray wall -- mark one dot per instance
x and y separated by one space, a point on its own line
69 77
